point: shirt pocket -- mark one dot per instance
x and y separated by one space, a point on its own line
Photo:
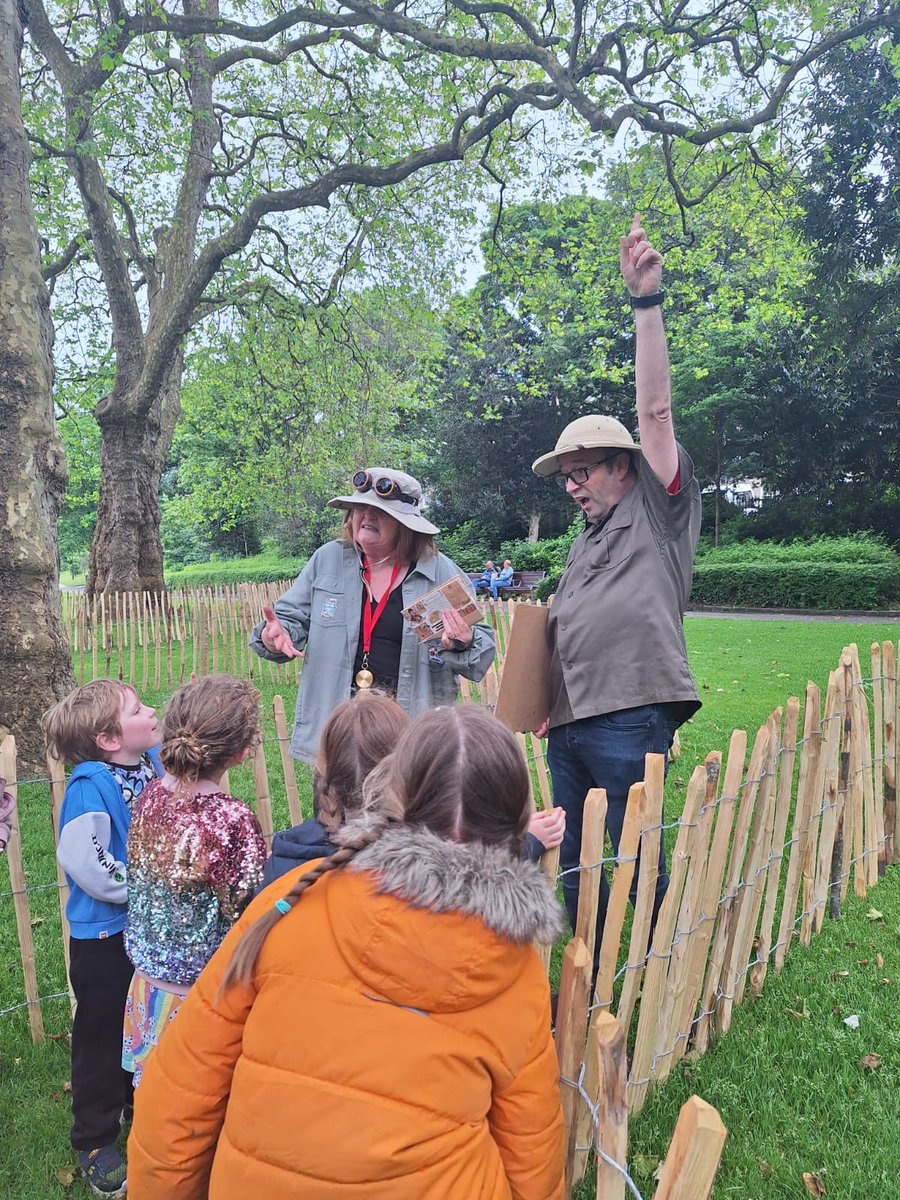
329 603
612 548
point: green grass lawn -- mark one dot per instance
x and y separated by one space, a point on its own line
787 1079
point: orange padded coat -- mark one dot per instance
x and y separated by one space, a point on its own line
394 1044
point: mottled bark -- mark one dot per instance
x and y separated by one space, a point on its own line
35 666
126 555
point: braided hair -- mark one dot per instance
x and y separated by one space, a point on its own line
353 839
456 771
357 736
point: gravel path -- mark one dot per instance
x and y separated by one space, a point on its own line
769 614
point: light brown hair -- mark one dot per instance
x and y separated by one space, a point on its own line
209 723
456 771
357 735
71 727
412 546
463 776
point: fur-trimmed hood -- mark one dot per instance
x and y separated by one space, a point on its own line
436 926
510 895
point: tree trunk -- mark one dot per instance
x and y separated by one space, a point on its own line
35 665
534 525
126 552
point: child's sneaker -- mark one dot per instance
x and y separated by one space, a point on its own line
104 1170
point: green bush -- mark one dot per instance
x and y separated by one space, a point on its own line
853 548
805 584
466 546
548 554
547 586
261 568
858 571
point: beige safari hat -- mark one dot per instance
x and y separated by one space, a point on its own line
586 433
403 501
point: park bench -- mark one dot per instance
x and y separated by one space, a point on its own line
523 582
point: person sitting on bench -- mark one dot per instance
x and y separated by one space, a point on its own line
483 582
504 579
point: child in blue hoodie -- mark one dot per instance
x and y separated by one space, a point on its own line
104 730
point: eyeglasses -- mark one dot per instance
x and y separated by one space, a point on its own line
579 475
387 489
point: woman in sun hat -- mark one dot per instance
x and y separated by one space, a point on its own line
343 611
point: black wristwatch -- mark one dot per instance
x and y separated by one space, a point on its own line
647 301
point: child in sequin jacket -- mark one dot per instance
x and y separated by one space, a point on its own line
195 855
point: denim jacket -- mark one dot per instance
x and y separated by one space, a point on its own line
321 612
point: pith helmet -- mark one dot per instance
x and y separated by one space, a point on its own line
586 433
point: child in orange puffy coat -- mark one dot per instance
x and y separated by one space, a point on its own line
388 1036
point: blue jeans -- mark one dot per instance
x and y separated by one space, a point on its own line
607 752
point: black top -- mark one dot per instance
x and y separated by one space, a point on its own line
384 655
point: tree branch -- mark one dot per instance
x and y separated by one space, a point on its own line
73 251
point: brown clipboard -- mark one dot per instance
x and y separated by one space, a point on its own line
523 702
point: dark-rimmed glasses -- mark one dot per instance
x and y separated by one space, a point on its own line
579 475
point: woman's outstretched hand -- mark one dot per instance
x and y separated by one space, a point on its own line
275 637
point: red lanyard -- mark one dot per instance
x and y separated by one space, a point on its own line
370 619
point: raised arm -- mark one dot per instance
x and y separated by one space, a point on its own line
641 267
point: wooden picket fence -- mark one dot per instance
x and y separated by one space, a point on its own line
742 889
164 637
762 849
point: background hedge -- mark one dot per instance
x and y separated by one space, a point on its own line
262 568
830 585
858 572
854 572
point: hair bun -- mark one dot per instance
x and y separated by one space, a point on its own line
183 754
188 742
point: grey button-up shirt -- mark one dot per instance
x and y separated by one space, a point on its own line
321 612
615 625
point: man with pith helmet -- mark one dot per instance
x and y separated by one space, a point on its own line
620 684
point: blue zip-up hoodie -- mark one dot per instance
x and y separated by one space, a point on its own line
93 835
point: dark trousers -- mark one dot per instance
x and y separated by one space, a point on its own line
101 973
605 752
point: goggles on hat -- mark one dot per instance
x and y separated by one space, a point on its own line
387 489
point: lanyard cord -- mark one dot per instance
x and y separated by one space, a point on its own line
370 618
